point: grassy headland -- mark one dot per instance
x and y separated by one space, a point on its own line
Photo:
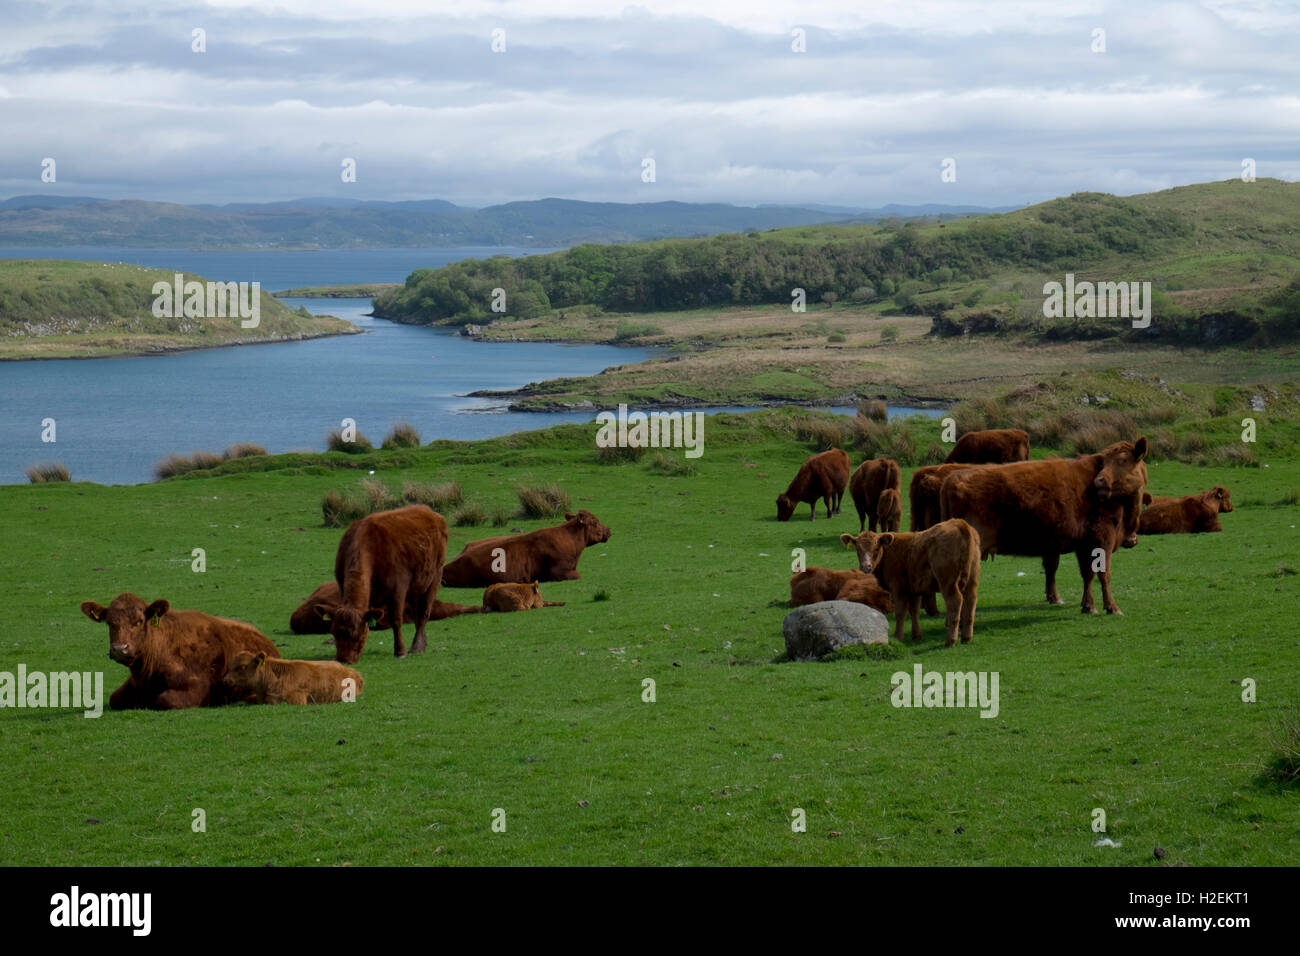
52 308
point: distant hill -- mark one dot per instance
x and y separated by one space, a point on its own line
346 223
1222 260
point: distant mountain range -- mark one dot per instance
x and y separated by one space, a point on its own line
350 223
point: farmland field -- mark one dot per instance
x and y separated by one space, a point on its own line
542 715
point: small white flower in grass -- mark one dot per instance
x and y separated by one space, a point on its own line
763 555
710 546
1107 841
716 594
372 471
1020 574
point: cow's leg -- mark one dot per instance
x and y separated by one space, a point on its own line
176 698
952 603
397 610
930 604
871 518
1108 599
1050 563
969 599
126 697
900 614
1084 557
423 614
914 611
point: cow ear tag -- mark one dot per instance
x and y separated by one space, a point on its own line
154 620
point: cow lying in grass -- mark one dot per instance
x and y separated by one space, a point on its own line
944 558
822 477
827 584
515 597
314 614
1191 514
176 658
264 680
548 554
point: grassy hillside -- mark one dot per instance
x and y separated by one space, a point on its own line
542 715
66 309
1223 251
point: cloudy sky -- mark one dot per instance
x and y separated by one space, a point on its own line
584 92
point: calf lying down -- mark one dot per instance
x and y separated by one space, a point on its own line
266 680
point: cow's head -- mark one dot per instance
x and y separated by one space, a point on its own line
1120 469
129 619
1147 499
349 627
869 546
246 671
593 531
1218 497
785 506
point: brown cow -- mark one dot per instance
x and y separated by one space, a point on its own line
889 510
944 558
266 681
869 480
549 554
1045 508
1191 514
822 476
515 597
384 561
309 617
994 446
826 584
923 502
177 658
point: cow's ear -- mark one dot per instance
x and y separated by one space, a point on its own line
94 610
260 659
373 615
847 539
1140 448
324 611
1220 491
157 609
569 517
885 540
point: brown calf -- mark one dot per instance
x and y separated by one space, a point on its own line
944 558
889 510
1191 514
869 481
827 584
515 597
266 681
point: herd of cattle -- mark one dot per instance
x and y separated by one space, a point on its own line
986 499
387 571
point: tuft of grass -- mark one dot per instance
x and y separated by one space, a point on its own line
1237 455
438 497
334 442
601 595
470 513
614 455
45 471
401 435
1285 742
664 463
1291 497
339 510
501 517
875 410
889 333
542 501
174 464
242 449
377 495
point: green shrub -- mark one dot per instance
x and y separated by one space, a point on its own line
889 333
401 435
614 455
665 463
334 442
243 449
542 501
438 497
875 409
470 513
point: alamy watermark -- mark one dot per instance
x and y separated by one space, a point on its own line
209 300
652 430
1100 300
56 689
946 689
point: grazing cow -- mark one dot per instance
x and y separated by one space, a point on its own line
1044 508
266 681
944 558
515 597
994 446
387 561
548 554
312 616
869 481
827 584
177 658
822 476
1191 514
889 510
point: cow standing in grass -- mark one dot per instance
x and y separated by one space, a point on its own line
177 658
944 558
869 481
991 447
823 477
1087 505
387 562
314 614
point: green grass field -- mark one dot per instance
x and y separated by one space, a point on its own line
541 714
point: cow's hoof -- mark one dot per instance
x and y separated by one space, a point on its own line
1114 610
966 640
950 643
1089 610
